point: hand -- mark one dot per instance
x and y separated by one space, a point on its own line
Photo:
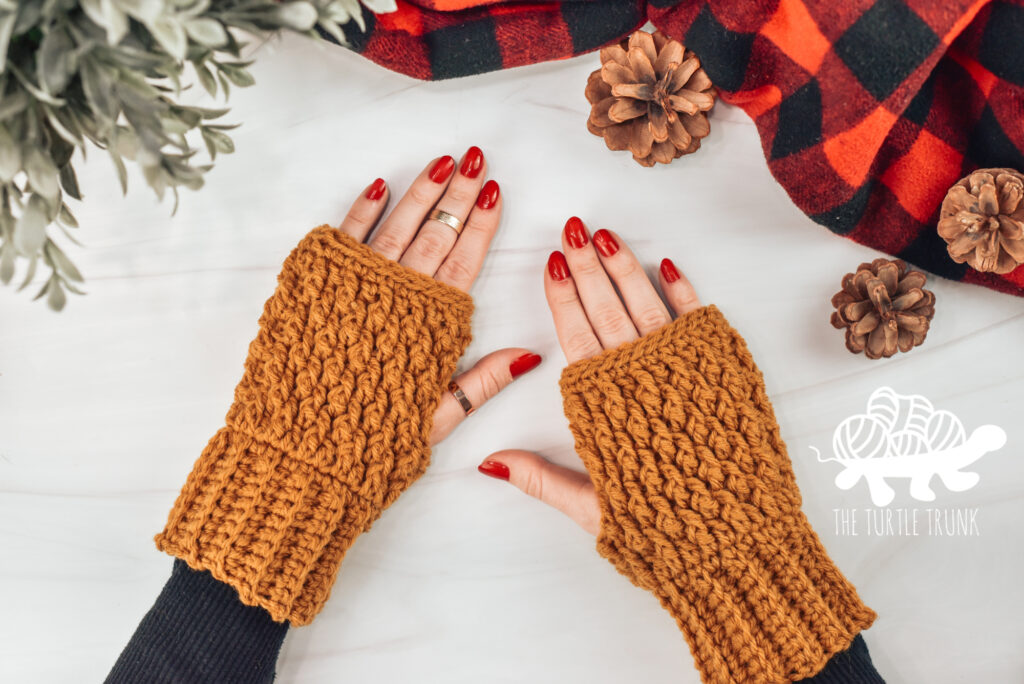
590 316
409 237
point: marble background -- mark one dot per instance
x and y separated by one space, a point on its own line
104 407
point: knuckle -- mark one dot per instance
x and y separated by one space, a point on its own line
533 481
582 344
456 269
563 297
387 242
630 269
359 219
421 195
609 320
459 195
431 245
489 382
687 299
650 319
588 267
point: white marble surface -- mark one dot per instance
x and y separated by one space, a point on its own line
104 407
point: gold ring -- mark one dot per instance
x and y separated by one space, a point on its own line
460 397
453 222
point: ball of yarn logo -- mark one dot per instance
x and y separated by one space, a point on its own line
904 436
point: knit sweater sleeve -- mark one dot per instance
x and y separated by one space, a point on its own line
199 632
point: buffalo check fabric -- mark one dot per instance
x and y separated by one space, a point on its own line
868 110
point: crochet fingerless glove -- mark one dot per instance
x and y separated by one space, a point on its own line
330 423
699 504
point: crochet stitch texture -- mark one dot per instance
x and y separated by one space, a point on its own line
330 423
699 504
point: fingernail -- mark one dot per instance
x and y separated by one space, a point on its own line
472 162
524 364
376 189
488 195
494 469
669 271
442 169
557 267
605 243
575 233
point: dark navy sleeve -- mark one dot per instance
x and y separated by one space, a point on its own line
852 666
199 631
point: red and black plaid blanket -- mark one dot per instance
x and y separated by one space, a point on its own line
868 110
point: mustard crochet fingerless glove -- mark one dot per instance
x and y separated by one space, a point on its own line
330 423
699 504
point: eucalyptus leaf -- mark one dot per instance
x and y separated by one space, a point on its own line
10 156
7 260
381 6
122 172
30 272
57 61
298 16
237 75
43 176
169 32
30 230
143 10
206 31
55 297
68 219
7 19
98 88
62 262
69 181
206 79
107 15
65 131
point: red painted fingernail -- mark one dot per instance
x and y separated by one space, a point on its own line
575 233
524 364
605 243
494 469
472 162
488 195
669 271
557 267
442 169
376 189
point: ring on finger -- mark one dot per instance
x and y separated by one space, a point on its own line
453 222
461 397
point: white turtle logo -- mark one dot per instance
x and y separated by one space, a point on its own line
904 436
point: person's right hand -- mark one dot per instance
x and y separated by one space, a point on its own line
600 297
407 235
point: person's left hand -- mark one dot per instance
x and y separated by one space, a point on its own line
599 298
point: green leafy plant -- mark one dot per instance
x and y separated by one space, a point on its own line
110 74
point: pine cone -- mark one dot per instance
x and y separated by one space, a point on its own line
884 308
982 220
649 97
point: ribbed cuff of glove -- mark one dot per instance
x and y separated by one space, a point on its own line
330 423
699 504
